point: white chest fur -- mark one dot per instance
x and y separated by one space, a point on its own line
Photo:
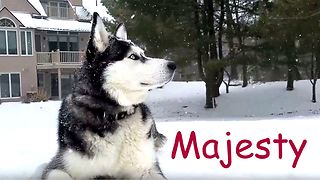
125 153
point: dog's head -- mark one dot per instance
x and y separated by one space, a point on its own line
127 74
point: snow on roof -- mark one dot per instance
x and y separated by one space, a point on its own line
82 13
52 24
90 6
37 5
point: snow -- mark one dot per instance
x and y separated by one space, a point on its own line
259 101
37 5
28 131
90 6
52 24
82 13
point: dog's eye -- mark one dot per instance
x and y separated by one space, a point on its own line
134 57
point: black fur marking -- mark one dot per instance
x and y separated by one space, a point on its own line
145 111
55 163
117 50
157 167
103 177
69 130
79 114
143 58
91 49
90 78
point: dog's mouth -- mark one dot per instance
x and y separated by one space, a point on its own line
158 84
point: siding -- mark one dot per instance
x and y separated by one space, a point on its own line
25 65
19 5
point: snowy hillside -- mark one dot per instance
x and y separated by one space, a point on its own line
28 131
185 101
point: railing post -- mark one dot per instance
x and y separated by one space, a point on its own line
59 84
58 56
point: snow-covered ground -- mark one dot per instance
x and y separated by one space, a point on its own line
28 131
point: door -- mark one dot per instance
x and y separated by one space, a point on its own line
54 85
38 43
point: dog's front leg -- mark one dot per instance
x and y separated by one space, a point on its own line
154 173
58 174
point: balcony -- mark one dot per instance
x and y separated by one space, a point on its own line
59 59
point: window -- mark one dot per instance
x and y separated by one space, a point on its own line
63 41
63 10
12 42
4 85
8 38
56 9
15 85
3 42
10 85
6 23
26 43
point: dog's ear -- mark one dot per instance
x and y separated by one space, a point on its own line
121 32
99 38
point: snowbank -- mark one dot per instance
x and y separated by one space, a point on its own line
28 131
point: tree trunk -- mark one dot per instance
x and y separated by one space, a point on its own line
314 84
239 36
234 72
213 76
210 26
291 70
314 75
202 47
209 103
198 43
290 79
220 32
219 80
230 36
244 75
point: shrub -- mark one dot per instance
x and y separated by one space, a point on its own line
39 96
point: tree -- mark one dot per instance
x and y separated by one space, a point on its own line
309 40
280 29
167 28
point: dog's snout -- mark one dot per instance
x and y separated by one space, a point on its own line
172 66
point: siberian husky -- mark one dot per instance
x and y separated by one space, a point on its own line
105 130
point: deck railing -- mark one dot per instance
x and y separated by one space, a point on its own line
60 57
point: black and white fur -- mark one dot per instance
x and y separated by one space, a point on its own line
105 130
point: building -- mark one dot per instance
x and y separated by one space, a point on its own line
42 43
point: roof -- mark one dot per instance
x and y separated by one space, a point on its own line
82 13
52 24
37 5
7 10
89 7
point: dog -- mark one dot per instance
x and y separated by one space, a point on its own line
105 130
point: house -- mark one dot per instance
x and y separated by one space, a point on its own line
42 43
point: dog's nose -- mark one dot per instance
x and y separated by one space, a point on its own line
172 66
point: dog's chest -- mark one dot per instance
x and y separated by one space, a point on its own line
126 152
